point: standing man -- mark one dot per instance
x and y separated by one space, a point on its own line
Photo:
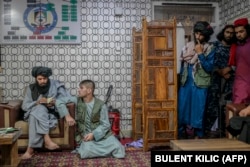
93 135
221 83
197 65
40 111
241 60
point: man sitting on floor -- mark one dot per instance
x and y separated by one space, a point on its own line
240 125
93 135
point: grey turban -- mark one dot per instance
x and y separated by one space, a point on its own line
39 70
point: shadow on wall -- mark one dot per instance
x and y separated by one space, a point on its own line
1 94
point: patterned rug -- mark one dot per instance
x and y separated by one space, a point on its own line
134 158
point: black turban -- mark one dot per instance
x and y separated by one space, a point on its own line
204 28
39 70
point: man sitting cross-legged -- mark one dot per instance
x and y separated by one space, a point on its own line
94 135
40 111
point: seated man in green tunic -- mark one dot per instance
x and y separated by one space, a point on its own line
93 135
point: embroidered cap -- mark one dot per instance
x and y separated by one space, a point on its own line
241 22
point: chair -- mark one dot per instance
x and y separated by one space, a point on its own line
233 109
12 115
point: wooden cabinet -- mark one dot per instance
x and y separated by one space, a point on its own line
154 95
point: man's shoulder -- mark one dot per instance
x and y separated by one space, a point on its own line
215 43
190 44
97 100
31 86
219 44
56 82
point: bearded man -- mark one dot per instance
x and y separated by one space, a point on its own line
239 57
222 79
197 64
40 111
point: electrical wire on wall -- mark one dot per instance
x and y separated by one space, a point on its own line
1 59
1 89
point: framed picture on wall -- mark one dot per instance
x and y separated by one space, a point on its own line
40 22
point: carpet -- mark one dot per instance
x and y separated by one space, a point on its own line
134 158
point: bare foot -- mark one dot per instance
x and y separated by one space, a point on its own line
28 154
51 145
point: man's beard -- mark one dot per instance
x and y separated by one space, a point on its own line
42 85
43 89
228 41
242 40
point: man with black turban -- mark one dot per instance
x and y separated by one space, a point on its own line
197 64
39 70
40 111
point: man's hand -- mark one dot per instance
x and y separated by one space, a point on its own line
227 76
51 103
245 112
42 100
70 121
88 137
199 48
224 72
